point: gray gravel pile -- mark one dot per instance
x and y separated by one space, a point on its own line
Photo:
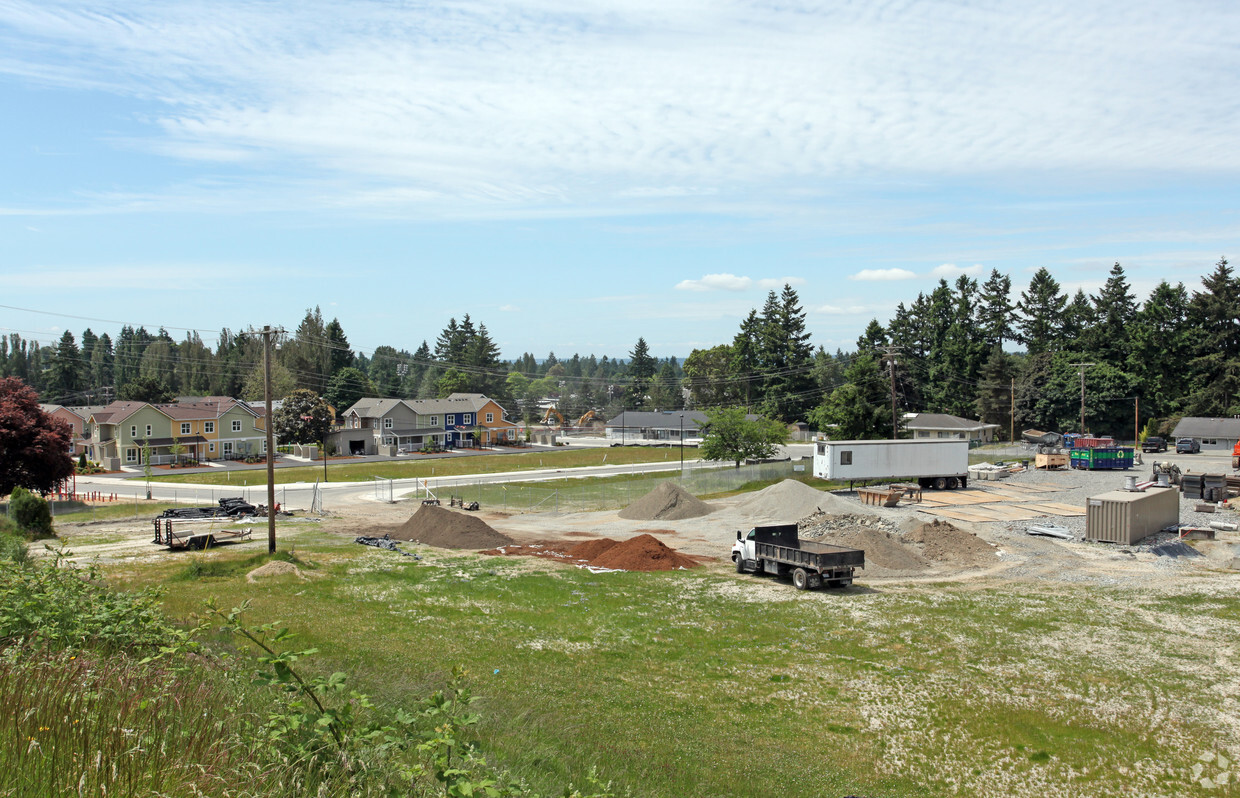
818 523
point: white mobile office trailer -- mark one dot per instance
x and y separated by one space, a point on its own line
941 464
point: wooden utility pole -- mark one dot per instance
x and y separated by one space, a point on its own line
1082 367
890 357
271 455
1136 421
1012 414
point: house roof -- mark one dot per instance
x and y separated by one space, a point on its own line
663 419
456 403
370 407
942 421
1198 427
119 410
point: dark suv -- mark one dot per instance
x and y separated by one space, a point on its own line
1187 446
1154 444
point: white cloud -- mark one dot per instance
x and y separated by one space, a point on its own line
509 308
949 271
882 275
840 310
731 282
547 104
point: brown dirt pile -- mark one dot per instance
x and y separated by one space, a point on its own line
589 549
446 529
941 542
884 552
643 553
668 502
273 568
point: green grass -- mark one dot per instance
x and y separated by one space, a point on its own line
457 465
708 683
114 511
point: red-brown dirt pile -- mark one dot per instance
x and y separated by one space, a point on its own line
446 529
668 502
643 553
589 549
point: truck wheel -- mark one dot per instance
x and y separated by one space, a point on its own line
740 564
940 483
800 579
952 483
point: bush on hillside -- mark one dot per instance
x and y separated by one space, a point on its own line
31 514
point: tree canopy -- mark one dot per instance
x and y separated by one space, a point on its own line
730 436
34 447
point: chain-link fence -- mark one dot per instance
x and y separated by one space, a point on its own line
614 494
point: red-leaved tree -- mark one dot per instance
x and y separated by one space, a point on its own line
34 447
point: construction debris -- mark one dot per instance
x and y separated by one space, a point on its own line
1051 531
385 542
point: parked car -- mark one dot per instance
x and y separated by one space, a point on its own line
1187 446
1154 444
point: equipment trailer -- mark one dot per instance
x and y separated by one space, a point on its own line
193 539
778 550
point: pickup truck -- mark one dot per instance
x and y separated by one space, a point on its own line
779 550
1154 444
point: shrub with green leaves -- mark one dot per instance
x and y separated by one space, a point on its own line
31 514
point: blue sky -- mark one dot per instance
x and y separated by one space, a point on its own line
578 174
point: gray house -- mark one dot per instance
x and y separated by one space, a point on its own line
1214 434
922 426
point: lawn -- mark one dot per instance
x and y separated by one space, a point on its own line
457 465
708 683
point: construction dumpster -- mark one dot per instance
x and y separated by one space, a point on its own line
1123 516
1102 457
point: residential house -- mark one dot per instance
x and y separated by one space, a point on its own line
374 426
640 426
75 417
1214 434
214 428
923 426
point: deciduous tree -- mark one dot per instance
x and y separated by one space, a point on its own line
730 436
34 447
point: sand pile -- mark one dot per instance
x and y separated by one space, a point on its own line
668 502
885 553
273 568
941 542
790 500
643 553
438 526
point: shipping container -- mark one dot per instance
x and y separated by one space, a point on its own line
1127 517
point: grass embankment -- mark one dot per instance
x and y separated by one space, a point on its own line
456 465
697 683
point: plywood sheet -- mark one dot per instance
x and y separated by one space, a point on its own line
1050 508
956 515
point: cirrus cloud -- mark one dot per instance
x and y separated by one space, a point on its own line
732 282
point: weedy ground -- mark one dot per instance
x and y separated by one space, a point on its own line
708 683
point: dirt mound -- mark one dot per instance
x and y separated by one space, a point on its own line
668 502
941 542
884 552
643 553
588 550
791 500
273 568
445 529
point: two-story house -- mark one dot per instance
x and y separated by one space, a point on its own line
373 426
212 428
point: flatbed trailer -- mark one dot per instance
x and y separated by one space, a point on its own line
180 534
778 550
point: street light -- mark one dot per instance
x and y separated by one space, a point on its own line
682 444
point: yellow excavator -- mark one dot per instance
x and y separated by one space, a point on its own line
552 413
590 415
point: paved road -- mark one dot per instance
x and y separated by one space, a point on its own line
298 495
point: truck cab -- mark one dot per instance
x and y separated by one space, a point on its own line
1154 444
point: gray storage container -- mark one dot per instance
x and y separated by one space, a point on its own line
1126 517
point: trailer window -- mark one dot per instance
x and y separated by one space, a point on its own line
846 457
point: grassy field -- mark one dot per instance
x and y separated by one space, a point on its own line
456 465
709 683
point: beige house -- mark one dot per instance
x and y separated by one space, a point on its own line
923 426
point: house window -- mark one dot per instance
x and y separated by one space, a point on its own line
185 427
131 455
511 435
388 440
236 425
467 419
387 423
211 448
846 458
208 426
263 448
434 421
490 417
451 420
133 431
227 448
148 430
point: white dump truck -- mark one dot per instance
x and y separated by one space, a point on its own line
942 464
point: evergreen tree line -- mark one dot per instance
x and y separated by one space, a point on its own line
968 349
